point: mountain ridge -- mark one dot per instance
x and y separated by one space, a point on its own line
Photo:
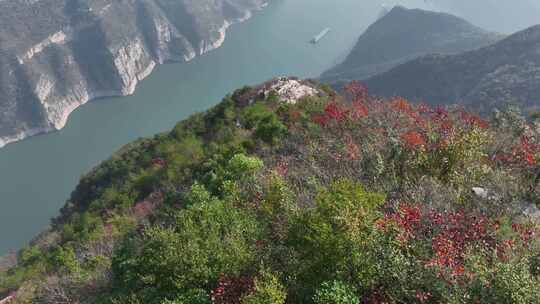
403 34
288 192
505 72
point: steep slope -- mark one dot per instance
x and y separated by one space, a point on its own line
55 55
290 193
402 35
506 72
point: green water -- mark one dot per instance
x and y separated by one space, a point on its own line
37 175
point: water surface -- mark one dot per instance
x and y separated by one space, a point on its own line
37 175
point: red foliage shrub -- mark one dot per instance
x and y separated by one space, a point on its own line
473 120
413 140
523 154
359 110
159 162
451 235
423 297
375 296
320 119
295 114
359 92
439 114
282 168
336 111
528 151
423 108
525 234
230 290
143 209
402 105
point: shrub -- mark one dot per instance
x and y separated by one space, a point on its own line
253 114
336 237
231 289
241 166
462 257
194 296
267 290
270 129
336 292
266 123
64 260
535 265
209 238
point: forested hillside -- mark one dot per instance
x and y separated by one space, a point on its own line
290 193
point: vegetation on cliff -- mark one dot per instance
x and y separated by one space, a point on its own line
329 199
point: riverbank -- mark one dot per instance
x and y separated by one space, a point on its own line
132 71
39 173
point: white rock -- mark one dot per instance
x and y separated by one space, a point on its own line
291 90
480 192
531 211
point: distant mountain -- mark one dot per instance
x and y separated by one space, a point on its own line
508 71
57 54
497 15
404 34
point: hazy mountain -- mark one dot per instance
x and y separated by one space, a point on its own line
57 54
497 15
404 34
508 71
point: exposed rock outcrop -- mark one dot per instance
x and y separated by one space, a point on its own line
289 89
56 55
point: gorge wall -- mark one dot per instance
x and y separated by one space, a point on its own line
56 55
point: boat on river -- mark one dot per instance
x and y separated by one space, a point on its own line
320 36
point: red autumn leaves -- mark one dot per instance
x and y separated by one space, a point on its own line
413 140
339 113
231 290
417 127
452 236
522 154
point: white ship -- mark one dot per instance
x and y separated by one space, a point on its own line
320 36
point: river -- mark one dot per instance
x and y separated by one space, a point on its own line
37 175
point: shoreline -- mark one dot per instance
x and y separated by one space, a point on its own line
129 89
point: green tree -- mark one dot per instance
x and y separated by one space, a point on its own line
336 292
336 239
268 290
208 238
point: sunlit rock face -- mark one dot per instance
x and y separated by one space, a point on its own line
56 55
285 89
289 89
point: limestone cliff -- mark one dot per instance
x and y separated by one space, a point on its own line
56 55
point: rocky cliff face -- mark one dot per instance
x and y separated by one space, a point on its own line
56 55
403 34
483 79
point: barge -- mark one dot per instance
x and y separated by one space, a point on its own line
320 36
